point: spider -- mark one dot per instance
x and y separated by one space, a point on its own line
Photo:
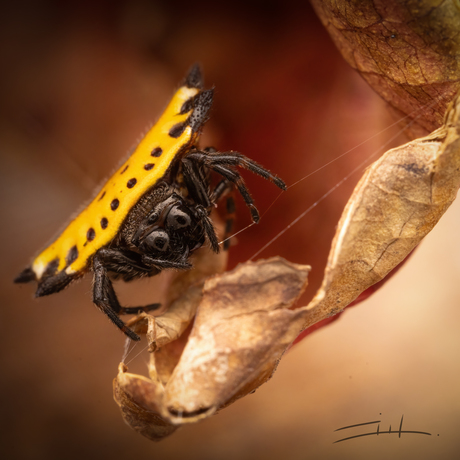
153 213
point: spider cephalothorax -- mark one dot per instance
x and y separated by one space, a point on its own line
153 213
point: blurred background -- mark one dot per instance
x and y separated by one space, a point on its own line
79 83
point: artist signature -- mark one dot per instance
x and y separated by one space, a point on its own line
378 432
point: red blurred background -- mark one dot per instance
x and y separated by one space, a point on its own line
80 81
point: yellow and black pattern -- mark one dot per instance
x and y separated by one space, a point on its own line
153 213
94 228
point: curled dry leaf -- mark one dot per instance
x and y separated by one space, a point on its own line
137 397
397 202
408 51
244 323
169 326
242 327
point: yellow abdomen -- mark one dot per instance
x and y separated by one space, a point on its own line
101 220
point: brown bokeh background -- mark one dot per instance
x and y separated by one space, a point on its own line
79 83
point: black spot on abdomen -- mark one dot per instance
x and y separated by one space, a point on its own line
131 183
90 234
114 204
156 152
187 105
72 255
51 268
177 130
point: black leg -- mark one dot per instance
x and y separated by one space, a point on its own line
125 263
195 178
164 264
210 158
220 162
223 188
235 177
137 310
105 298
208 228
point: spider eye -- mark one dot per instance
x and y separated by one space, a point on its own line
153 218
157 240
178 219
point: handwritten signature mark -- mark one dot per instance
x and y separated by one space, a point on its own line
378 432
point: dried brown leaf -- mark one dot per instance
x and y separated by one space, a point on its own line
242 327
244 323
137 397
408 51
397 202
169 326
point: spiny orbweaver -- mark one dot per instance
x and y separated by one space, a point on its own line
153 213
